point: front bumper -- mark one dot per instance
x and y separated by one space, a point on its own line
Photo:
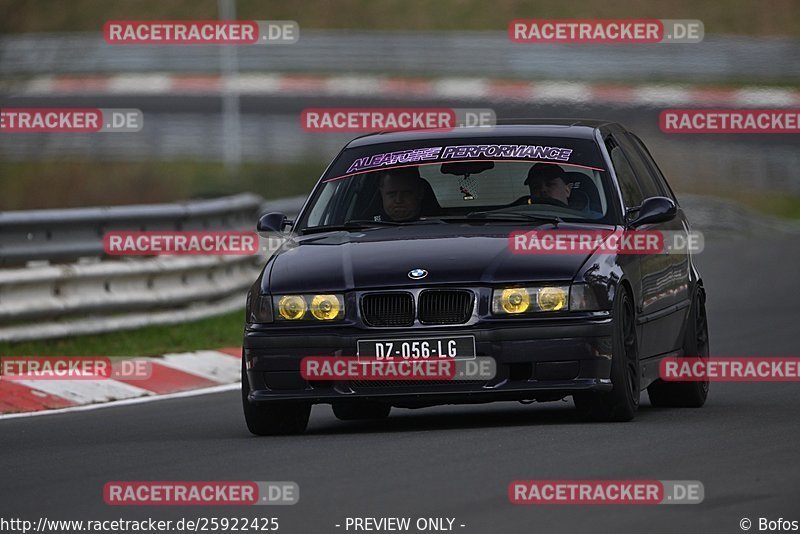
534 361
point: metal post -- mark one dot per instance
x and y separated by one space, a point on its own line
231 145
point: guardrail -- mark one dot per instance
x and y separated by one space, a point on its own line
57 282
475 53
69 234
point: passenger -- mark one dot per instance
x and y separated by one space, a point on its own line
548 184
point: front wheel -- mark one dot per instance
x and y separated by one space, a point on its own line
275 418
622 402
665 394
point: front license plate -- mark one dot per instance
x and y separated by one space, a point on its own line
427 348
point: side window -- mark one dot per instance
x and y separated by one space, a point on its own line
643 174
321 212
631 193
651 163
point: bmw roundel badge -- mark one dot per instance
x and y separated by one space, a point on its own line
417 274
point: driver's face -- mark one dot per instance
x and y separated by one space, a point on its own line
554 188
402 198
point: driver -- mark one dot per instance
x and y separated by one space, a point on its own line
402 191
548 184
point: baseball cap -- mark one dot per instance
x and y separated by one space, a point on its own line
545 171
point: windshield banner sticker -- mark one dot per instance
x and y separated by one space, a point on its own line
391 158
531 152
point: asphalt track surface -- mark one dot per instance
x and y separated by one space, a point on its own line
453 461
457 461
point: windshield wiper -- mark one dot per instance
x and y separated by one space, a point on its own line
370 222
359 224
425 220
492 216
349 225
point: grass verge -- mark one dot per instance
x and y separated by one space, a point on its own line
80 183
212 333
770 203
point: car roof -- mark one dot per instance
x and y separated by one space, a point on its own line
568 128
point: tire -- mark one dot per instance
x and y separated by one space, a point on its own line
273 419
354 411
695 344
621 403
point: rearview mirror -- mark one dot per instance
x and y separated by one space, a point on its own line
655 210
461 168
272 222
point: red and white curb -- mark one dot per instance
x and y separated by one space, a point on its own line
451 88
172 375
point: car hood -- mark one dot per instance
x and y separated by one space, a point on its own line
382 258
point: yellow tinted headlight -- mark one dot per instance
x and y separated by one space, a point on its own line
292 307
527 300
515 300
325 307
552 298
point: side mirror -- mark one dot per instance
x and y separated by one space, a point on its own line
655 210
272 222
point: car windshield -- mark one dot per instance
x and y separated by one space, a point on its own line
486 180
